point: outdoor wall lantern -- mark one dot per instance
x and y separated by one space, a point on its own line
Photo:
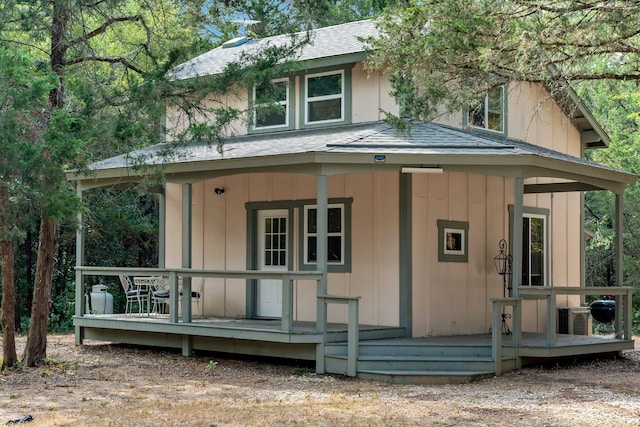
503 263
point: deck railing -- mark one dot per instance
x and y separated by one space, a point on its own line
622 322
353 332
287 278
622 295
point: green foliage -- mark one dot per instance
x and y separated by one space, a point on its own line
444 54
613 105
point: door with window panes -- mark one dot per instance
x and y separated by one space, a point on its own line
273 229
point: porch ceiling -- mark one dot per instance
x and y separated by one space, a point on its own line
358 148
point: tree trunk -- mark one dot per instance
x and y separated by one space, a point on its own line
8 308
36 348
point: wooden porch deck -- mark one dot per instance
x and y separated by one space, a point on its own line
383 352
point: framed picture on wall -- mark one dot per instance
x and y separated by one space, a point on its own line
453 242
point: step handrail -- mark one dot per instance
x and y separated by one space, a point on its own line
353 330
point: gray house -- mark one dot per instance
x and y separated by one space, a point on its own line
319 233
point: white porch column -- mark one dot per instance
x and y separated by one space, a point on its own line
80 258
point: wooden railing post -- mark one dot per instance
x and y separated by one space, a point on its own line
496 336
173 298
287 303
497 306
353 328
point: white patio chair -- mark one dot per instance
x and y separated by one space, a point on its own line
196 295
134 295
159 295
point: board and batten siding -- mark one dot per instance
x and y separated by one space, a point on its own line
448 298
219 240
369 99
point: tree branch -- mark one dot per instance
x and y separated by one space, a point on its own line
122 60
103 28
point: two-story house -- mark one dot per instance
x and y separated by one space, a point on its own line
321 233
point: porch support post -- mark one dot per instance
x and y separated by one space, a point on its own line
321 255
406 254
80 258
162 228
583 243
286 323
619 272
186 263
516 250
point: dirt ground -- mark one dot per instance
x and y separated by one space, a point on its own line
99 384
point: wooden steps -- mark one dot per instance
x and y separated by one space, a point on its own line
414 361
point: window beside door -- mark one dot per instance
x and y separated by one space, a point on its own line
534 250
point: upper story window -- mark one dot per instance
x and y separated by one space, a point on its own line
271 105
489 112
325 99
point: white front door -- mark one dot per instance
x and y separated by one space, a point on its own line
272 256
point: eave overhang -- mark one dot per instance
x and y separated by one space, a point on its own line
371 148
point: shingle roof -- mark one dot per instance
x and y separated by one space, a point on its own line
424 139
325 42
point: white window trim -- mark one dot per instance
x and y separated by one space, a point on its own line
308 99
545 250
342 235
286 103
486 113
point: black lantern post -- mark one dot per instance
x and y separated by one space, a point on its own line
503 264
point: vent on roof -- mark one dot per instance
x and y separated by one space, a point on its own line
235 42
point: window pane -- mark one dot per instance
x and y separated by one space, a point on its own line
335 220
525 251
476 115
267 225
537 251
312 221
334 247
330 109
324 85
283 258
271 92
274 239
267 258
312 250
271 116
283 225
283 241
494 116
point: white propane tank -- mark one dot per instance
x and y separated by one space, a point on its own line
101 300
